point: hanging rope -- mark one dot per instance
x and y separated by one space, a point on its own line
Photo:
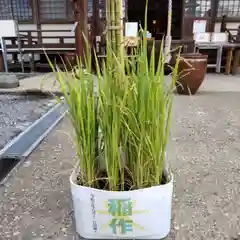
168 39
169 25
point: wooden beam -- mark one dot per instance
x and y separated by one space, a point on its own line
95 21
236 62
214 12
182 18
81 31
36 13
229 61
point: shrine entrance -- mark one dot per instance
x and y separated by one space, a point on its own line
157 16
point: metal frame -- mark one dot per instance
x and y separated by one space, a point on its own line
3 45
218 48
19 42
4 53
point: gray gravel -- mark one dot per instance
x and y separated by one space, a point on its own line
204 153
18 112
20 75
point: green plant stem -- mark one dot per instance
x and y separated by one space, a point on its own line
123 127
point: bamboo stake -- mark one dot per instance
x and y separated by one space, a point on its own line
117 27
109 36
113 25
114 34
119 31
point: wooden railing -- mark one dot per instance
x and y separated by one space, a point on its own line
37 40
34 41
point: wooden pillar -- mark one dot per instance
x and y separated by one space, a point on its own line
81 17
36 18
229 61
1 62
214 12
95 22
236 62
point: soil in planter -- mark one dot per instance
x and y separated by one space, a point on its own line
103 183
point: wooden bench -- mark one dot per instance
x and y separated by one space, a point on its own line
236 61
233 55
36 42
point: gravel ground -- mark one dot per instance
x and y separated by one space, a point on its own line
204 154
18 112
21 76
205 157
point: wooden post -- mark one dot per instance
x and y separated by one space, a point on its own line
236 62
95 21
81 17
214 8
1 62
229 61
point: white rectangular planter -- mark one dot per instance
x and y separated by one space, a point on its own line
138 214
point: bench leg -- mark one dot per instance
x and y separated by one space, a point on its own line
236 62
1 62
4 54
219 59
15 58
229 61
31 61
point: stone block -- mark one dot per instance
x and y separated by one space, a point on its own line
9 81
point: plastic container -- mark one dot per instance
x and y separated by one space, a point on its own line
138 214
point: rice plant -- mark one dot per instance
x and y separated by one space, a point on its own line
122 125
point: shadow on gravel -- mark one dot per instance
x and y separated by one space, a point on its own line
33 93
7 163
36 94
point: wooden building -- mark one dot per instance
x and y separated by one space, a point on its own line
51 21
184 12
59 15
42 18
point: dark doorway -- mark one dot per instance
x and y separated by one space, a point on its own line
157 16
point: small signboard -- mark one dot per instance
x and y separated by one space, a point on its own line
131 29
199 26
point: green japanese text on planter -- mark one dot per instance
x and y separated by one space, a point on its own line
141 214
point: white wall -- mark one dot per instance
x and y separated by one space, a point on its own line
27 27
58 27
229 25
